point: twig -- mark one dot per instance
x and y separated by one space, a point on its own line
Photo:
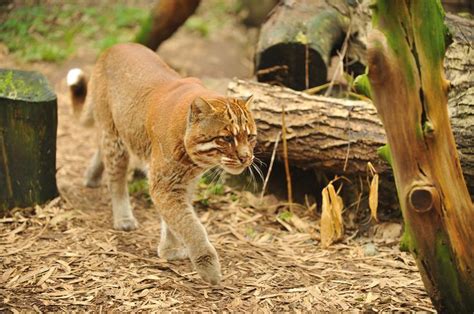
341 57
272 159
348 141
359 96
285 158
316 89
306 67
272 69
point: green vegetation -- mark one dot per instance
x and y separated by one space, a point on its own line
22 85
53 32
213 16
139 188
285 216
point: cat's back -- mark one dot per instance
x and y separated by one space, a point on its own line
135 64
126 76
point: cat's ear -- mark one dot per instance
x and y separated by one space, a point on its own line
248 101
200 106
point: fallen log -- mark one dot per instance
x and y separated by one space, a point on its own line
298 39
330 134
337 134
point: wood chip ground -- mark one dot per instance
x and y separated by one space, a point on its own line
65 256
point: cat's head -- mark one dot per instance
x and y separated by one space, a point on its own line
221 132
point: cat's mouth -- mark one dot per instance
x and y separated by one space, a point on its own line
233 166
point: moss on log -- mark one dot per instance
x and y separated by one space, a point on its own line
28 123
405 56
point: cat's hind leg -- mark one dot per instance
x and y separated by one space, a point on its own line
93 175
116 159
170 247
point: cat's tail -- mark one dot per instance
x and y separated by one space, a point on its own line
83 110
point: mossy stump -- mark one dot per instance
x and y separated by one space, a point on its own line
28 125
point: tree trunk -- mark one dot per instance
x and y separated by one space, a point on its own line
327 133
405 56
28 122
166 17
298 39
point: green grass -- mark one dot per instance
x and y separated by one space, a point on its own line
139 188
214 15
54 32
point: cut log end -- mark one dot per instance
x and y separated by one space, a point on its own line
292 64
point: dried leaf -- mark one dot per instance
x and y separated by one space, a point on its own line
374 197
332 227
300 225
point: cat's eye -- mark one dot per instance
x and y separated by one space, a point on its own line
252 137
228 139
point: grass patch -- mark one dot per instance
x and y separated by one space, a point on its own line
139 188
212 16
53 32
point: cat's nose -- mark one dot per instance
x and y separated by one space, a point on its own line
245 159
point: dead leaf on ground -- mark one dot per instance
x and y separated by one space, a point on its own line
373 192
332 227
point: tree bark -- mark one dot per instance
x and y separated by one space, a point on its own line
28 123
166 17
327 133
405 56
459 67
298 39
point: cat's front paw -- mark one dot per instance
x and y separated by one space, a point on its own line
208 267
126 224
172 254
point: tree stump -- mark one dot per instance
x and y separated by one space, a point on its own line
409 89
28 124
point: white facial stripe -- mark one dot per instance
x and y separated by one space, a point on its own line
224 159
235 130
204 147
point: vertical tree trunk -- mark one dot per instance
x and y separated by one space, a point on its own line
28 123
165 18
405 56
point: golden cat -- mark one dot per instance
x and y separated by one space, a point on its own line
174 124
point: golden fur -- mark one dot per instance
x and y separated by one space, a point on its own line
175 125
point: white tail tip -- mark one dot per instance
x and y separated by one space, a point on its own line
74 76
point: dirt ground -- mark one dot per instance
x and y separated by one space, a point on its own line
65 256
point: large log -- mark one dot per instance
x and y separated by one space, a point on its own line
321 140
409 89
459 67
328 133
28 123
298 39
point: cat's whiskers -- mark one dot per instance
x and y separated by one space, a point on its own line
260 162
253 179
258 170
